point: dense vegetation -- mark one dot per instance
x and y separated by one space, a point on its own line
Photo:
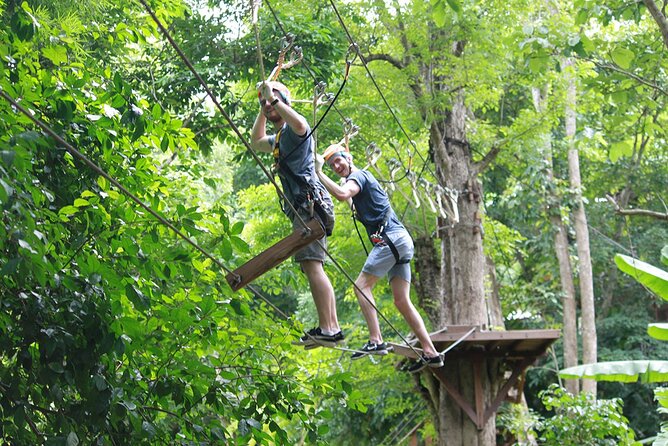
115 330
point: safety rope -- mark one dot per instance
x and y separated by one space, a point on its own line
354 46
380 92
222 111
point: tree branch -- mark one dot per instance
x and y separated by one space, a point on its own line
659 18
638 212
387 58
487 159
629 74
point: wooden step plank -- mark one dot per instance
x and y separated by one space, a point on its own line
274 255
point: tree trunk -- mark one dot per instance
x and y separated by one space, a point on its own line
561 250
589 348
494 313
427 279
462 280
659 18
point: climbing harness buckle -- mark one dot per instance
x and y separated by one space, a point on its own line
377 238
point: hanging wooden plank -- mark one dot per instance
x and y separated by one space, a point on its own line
276 254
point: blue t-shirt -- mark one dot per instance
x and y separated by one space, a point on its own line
300 163
372 203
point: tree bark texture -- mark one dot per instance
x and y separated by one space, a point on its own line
561 250
493 303
585 275
427 279
659 18
462 278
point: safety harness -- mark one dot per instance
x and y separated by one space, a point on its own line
380 238
311 200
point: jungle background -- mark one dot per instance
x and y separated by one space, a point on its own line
114 330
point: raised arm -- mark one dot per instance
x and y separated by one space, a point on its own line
259 139
294 120
341 193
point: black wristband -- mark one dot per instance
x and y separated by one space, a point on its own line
274 102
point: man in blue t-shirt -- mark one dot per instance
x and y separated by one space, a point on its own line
391 253
292 147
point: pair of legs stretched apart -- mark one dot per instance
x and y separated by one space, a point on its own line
381 261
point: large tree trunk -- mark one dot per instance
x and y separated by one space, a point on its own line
589 348
561 250
462 280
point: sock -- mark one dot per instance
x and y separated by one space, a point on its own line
328 332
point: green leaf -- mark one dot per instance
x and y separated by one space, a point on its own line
658 331
652 277
664 255
148 429
80 202
103 183
239 244
140 125
237 228
225 249
7 156
622 57
538 64
6 191
454 4
620 371
56 54
620 149
439 13
56 367
68 210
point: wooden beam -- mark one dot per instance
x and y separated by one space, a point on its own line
479 397
276 254
518 370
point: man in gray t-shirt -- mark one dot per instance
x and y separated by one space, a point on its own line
291 146
391 253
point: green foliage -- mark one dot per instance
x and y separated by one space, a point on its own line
583 420
570 420
113 330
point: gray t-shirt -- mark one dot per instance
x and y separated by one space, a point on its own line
372 203
296 155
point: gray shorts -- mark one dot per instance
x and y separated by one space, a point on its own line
381 261
314 250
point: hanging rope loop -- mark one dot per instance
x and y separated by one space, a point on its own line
373 153
352 53
296 55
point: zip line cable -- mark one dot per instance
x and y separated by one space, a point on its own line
264 169
315 80
77 154
220 108
380 92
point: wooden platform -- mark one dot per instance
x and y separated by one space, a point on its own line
517 348
504 344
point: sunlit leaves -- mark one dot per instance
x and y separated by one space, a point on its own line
622 57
